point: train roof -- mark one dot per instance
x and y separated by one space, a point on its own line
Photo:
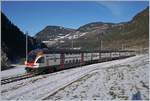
48 51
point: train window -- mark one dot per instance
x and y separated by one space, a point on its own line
31 57
77 61
55 59
73 61
66 62
40 60
69 61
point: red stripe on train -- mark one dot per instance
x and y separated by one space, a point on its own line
62 59
82 58
30 64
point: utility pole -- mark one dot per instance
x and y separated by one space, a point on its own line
100 44
101 41
122 46
26 46
78 41
72 42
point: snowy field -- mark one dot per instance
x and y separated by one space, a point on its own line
114 80
17 70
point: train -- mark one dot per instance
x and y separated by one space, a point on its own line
51 60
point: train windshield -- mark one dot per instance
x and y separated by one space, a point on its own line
31 57
40 60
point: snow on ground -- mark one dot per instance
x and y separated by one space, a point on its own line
17 70
119 79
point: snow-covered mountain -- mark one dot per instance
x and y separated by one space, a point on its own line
134 34
52 32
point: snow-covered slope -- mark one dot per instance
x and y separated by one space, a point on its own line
119 79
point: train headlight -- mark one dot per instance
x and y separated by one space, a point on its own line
25 62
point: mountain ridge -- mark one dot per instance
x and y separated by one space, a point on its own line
51 32
123 32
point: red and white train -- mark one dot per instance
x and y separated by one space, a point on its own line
44 60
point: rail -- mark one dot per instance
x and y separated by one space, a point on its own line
17 78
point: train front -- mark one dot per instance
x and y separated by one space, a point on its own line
33 60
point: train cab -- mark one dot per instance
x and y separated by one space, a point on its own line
34 60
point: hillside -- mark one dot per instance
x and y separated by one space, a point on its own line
13 41
131 34
51 32
94 26
134 33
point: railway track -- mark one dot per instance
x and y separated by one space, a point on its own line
56 87
17 78
28 75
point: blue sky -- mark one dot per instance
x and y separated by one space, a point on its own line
33 16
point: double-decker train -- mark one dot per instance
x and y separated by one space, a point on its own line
45 60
